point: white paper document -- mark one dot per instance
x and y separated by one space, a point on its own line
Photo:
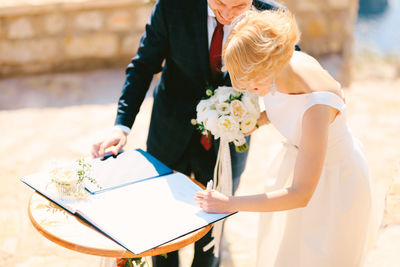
128 167
150 213
143 215
41 183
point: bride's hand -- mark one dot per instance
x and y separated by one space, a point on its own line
262 120
213 202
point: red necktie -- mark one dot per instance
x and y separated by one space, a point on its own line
216 52
215 67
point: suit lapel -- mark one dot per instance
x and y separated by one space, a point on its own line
200 22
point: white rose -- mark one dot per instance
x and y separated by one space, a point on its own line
202 109
203 105
201 116
221 98
250 101
223 108
248 123
223 90
222 93
210 121
213 100
228 128
238 110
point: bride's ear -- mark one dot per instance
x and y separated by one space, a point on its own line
224 69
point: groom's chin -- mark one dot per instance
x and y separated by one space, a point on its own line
221 19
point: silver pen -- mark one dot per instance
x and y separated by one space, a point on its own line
209 186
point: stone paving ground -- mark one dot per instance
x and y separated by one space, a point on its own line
57 116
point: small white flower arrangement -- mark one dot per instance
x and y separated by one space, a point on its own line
69 180
228 114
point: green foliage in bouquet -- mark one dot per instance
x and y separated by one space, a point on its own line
234 97
242 148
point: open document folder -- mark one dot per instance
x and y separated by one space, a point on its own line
141 215
128 167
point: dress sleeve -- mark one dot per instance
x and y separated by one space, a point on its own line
326 98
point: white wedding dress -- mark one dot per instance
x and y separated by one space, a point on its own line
332 230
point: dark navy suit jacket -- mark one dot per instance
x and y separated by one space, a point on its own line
175 41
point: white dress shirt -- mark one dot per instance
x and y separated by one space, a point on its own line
212 24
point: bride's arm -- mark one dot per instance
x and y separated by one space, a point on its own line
307 171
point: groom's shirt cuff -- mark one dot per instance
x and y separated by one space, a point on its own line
123 128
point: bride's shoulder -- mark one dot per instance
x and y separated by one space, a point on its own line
301 60
310 71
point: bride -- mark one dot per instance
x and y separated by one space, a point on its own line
318 211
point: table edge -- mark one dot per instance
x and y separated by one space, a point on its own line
165 248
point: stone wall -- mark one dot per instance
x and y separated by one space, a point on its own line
327 32
58 35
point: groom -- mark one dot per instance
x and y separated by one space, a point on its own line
183 39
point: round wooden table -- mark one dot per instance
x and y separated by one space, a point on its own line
71 232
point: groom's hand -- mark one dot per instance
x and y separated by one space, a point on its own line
114 142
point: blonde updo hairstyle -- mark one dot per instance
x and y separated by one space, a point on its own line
260 45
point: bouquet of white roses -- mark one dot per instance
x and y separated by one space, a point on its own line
228 114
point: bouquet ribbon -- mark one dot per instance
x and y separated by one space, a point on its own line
222 183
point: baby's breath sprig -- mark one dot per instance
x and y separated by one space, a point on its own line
84 172
60 183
